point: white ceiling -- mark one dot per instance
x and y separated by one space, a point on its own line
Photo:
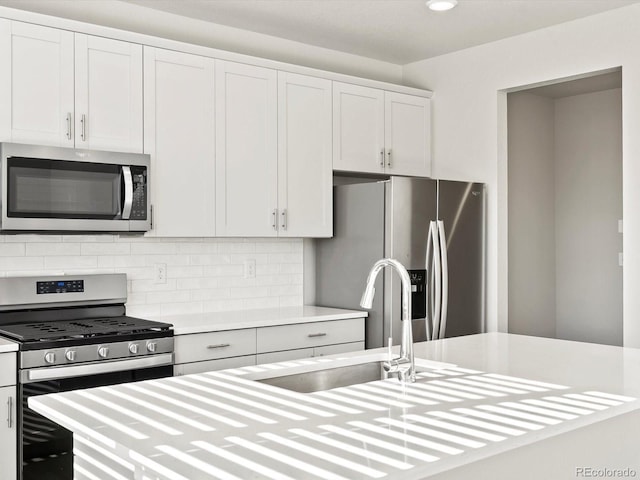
396 31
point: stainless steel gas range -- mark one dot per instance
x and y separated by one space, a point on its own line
73 332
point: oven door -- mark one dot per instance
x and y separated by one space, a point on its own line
45 449
49 189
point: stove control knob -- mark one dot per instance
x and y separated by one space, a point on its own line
133 348
152 346
103 352
50 357
70 355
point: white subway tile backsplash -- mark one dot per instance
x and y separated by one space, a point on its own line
12 250
152 248
174 271
194 247
151 260
89 238
72 262
210 294
43 249
203 274
21 263
266 302
105 248
223 270
121 261
180 308
32 238
198 283
168 297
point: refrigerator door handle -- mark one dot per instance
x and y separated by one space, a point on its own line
436 280
444 280
428 298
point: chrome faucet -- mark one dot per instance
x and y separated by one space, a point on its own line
404 365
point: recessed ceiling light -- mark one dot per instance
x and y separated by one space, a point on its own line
441 5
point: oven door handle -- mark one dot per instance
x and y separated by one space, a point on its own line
128 192
55 373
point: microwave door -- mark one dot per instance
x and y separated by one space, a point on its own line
55 195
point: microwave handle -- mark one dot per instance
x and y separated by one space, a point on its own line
128 192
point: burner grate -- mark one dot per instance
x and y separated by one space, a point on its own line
78 329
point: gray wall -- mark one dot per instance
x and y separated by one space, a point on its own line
565 200
588 151
531 219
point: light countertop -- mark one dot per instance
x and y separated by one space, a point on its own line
7 345
232 320
510 399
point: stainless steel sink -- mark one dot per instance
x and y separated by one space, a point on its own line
326 379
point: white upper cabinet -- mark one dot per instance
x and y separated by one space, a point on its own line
377 131
273 153
51 96
305 177
36 87
246 150
407 127
358 128
179 135
108 88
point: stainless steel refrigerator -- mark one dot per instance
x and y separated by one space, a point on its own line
392 219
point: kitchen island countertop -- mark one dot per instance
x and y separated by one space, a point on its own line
513 407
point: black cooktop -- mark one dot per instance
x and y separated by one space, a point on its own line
44 331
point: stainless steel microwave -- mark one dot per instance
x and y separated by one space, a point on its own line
55 189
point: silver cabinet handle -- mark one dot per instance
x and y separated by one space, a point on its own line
83 127
10 412
219 345
274 221
284 219
382 157
319 334
389 158
68 126
128 192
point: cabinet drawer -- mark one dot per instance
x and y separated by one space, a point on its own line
211 365
8 372
341 348
213 345
305 335
284 356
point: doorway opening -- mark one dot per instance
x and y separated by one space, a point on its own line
565 209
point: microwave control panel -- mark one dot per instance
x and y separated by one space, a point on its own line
139 207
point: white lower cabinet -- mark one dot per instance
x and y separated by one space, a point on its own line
309 335
200 351
297 354
208 351
211 365
8 403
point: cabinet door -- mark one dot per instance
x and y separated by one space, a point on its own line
36 86
246 150
407 135
305 175
358 128
8 436
108 77
179 136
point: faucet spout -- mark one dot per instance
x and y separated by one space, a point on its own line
404 365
